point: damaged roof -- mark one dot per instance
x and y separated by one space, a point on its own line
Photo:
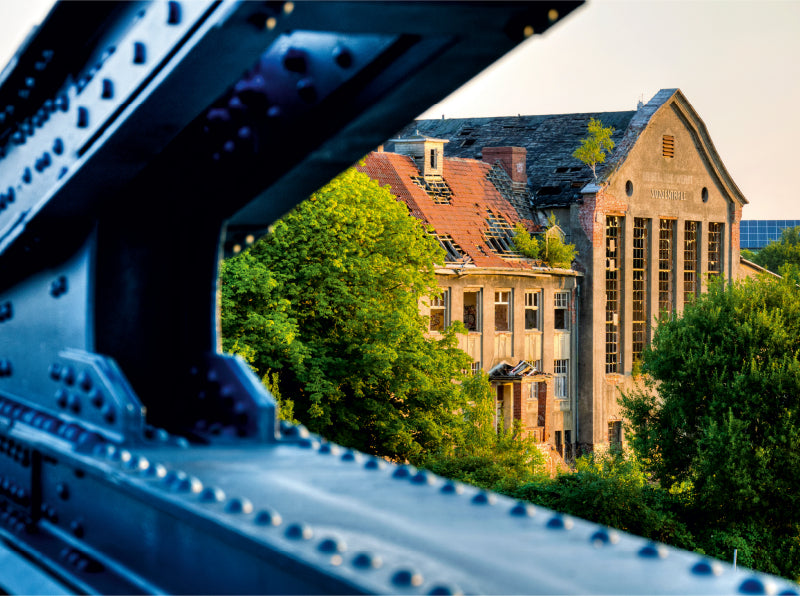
555 177
474 218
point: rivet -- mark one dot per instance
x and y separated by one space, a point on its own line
189 484
342 57
212 494
271 23
752 585
27 176
332 545
109 413
5 367
375 463
237 505
74 403
367 561
83 117
288 7
62 490
559 522
58 146
76 527
173 13
295 61
484 498
653 551
155 471
96 398
58 288
403 472
268 517
349 455
107 90
423 477
445 590
527 31
274 112
329 448
62 102
523 510
139 53
603 537
707 568
299 532
452 488
306 90
10 194
405 578
54 370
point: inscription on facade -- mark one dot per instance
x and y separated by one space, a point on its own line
668 194
668 178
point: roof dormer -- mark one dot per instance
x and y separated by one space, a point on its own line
427 153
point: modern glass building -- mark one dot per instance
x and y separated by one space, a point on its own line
757 233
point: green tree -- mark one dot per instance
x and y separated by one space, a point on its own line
721 414
776 256
550 249
346 336
592 149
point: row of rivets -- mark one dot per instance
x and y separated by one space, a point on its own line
80 561
13 491
14 521
16 451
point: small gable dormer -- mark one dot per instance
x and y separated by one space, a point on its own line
427 153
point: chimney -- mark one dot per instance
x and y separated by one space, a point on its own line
427 153
513 160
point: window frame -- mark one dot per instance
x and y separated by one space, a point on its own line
561 378
440 303
509 304
561 307
534 307
478 310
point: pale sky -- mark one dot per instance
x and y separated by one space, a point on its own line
736 61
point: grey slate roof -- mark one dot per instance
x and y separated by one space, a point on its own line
555 178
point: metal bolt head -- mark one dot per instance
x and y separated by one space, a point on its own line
299 532
268 517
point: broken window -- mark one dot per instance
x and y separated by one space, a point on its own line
615 433
532 310
500 235
561 378
559 446
714 248
435 187
613 223
472 310
666 235
433 159
561 311
440 311
639 271
502 311
690 261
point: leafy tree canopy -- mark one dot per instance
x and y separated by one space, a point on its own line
593 147
330 301
721 414
780 255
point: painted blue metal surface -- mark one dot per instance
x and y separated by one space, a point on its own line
139 141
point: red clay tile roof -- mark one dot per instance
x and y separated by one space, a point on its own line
464 219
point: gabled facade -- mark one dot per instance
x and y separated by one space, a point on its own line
661 219
520 316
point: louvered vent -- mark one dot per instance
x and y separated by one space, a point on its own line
668 146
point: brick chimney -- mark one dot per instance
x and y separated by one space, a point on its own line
427 153
513 160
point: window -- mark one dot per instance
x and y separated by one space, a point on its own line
475 367
668 146
561 311
690 264
560 370
433 158
472 310
440 311
612 292
615 433
639 272
559 446
502 311
666 234
568 444
532 310
714 248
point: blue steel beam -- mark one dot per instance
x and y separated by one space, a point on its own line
138 142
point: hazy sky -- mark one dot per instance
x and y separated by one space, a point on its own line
737 62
